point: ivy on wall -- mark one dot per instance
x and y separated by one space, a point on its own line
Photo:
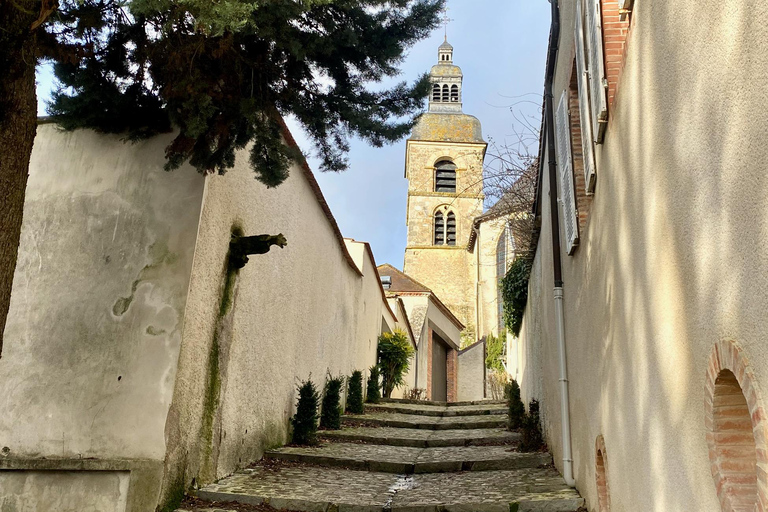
514 290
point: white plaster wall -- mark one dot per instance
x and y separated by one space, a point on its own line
298 312
96 314
471 373
672 259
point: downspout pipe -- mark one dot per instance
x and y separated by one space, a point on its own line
554 42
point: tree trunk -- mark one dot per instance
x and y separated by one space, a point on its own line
18 123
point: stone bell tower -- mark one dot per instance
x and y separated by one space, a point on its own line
444 167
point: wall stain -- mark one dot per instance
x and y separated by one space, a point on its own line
160 255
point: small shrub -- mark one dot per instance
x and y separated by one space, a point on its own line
330 413
305 420
355 393
532 439
394 354
416 394
515 406
373 393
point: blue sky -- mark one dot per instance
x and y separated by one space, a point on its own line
500 46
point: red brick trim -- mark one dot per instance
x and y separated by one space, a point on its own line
452 374
429 364
601 476
740 476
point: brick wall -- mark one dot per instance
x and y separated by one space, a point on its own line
614 43
583 200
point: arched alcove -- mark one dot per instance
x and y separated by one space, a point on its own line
736 430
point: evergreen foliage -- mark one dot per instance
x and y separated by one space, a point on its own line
394 355
373 392
305 420
514 290
225 72
515 406
532 440
330 414
494 349
355 393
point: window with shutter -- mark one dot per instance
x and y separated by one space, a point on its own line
565 166
588 150
439 229
596 70
450 229
446 94
454 93
445 176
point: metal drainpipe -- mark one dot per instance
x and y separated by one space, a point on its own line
477 283
554 42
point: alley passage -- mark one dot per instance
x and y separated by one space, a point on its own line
416 457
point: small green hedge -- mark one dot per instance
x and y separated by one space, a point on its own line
355 393
305 420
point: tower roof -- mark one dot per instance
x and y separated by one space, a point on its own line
447 127
445 46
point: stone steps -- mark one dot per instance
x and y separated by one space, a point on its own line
421 438
304 488
444 404
425 422
437 410
407 460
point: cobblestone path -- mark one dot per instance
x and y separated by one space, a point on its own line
426 457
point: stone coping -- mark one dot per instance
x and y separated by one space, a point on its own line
326 490
409 460
421 438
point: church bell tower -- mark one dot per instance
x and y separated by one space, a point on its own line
444 167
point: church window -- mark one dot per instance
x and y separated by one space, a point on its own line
455 93
439 229
450 229
436 92
445 176
446 94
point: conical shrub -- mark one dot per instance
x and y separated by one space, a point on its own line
373 392
355 393
330 414
515 406
305 420
531 439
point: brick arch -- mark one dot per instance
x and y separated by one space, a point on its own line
601 476
736 430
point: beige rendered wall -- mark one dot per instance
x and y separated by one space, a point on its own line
295 312
486 243
672 259
93 334
472 373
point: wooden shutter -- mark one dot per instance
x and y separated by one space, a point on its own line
585 117
596 69
564 164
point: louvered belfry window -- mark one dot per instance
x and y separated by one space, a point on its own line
445 177
436 92
445 93
439 229
450 229
455 93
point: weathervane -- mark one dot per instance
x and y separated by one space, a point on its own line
446 20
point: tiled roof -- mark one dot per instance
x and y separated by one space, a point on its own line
401 282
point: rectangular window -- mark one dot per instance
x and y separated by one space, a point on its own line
596 69
582 81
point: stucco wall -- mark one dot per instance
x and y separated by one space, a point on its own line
672 258
295 312
486 244
95 324
471 385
